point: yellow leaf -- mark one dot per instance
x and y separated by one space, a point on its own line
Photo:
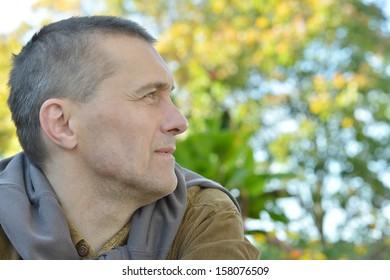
338 81
361 250
347 122
319 103
217 6
260 238
262 22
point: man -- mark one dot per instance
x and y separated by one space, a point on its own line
90 98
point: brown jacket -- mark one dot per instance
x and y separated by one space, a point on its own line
211 228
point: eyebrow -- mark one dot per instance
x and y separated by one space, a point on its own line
154 85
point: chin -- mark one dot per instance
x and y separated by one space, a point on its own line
167 186
171 184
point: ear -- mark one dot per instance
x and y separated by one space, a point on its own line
54 117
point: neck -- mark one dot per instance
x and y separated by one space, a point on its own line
98 209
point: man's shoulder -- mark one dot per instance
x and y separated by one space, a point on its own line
7 250
213 198
212 228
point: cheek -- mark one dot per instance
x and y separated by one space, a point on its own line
97 137
141 130
130 133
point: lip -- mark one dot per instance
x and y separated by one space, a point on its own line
166 150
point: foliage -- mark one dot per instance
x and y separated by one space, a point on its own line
225 154
288 102
297 248
312 76
8 141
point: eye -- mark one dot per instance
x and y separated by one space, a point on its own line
151 98
151 95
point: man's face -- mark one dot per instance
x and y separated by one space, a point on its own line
126 133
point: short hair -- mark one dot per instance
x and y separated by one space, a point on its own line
61 60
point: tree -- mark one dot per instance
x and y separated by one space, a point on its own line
318 71
8 141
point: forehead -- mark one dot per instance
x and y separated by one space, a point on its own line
135 58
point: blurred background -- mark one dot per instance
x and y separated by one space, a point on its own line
288 104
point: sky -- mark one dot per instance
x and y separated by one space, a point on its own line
13 12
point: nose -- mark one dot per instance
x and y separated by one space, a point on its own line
175 123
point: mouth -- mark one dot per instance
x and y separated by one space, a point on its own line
166 151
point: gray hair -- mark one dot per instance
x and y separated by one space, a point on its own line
61 60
